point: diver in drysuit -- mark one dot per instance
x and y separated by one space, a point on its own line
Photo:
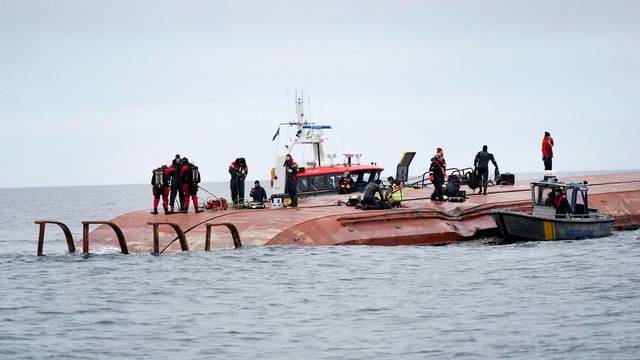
160 187
481 162
190 178
176 187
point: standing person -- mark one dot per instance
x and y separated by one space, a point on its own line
176 186
190 178
291 184
444 162
258 193
437 171
547 151
481 162
238 170
160 187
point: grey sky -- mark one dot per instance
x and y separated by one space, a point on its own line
100 92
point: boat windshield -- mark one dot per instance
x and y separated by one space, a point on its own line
543 196
330 182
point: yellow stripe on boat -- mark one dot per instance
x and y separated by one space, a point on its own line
549 231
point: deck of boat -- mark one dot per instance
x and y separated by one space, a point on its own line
321 221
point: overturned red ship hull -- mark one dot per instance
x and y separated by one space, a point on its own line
321 221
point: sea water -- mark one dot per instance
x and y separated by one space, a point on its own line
539 300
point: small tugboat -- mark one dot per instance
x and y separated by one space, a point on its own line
580 222
316 176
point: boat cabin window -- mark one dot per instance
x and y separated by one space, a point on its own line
543 196
325 183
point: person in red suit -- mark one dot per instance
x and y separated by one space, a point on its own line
190 178
547 151
160 187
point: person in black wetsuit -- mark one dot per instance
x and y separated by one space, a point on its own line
482 163
437 171
369 198
176 186
561 204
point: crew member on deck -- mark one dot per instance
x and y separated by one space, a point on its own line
176 187
482 163
258 193
437 171
547 151
561 204
369 200
190 178
238 170
160 187
291 184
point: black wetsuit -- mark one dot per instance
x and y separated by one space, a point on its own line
482 163
176 185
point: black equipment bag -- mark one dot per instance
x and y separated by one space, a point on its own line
507 179
474 179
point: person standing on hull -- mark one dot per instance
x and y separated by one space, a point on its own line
176 186
160 187
190 178
481 162
437 171
238 170
258 193
547 151
291 184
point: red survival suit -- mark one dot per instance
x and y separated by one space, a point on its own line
160 187
190 178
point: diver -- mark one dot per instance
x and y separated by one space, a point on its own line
481 162
190 178
437 172
561 204
291 184
176 187
160 187
369 200
258 193
238 170
547 151
345 184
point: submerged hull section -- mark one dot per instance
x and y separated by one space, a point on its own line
321 221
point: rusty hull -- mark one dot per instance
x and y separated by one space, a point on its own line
321 221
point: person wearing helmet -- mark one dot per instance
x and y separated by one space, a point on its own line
160 187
